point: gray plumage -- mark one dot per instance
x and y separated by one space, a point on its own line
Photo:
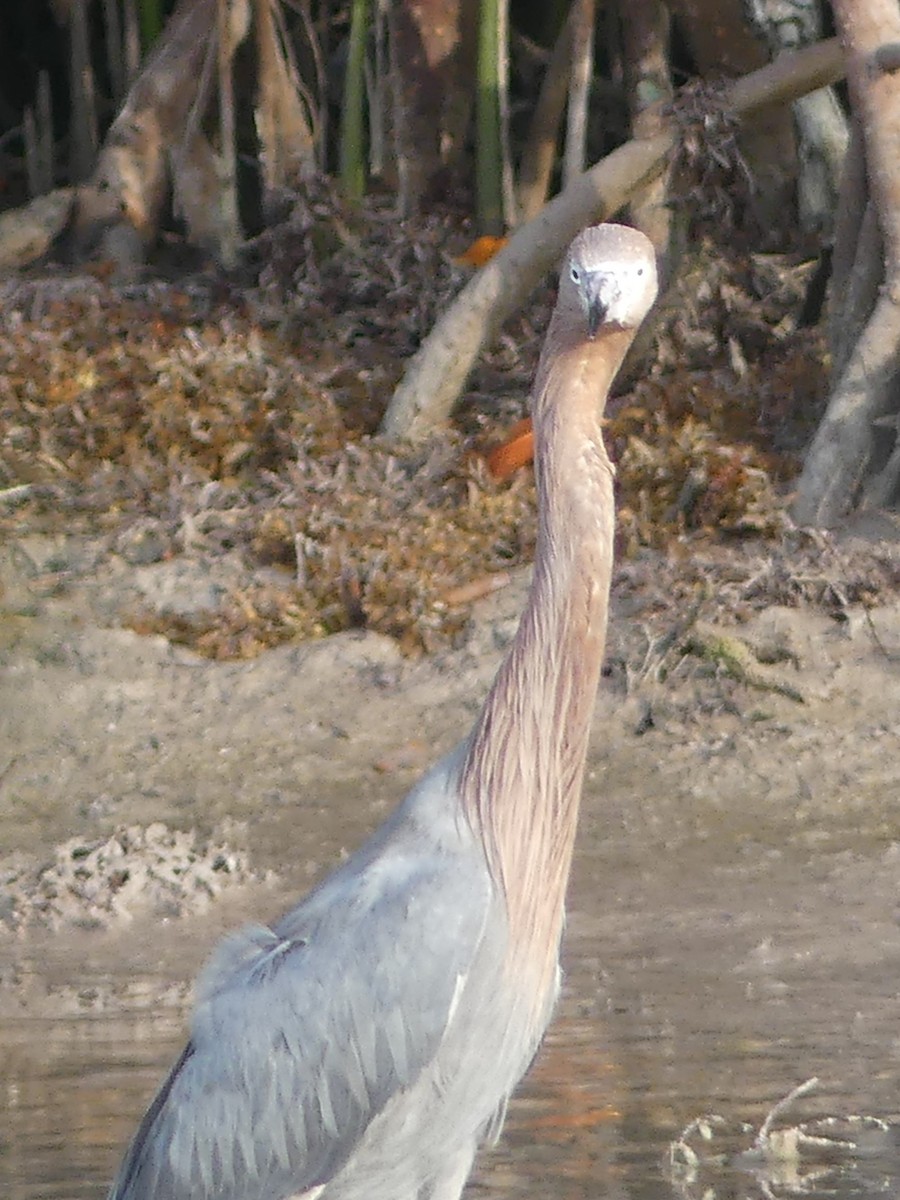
363 1046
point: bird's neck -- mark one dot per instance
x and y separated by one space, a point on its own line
522 776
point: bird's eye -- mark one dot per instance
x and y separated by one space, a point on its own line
640 270
576 275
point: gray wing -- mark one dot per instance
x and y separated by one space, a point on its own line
302 1033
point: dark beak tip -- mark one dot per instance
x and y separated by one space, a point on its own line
596 317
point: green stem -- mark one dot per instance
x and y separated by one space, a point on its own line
150 20
352 139
489 148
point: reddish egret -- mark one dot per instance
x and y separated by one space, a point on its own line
363 1046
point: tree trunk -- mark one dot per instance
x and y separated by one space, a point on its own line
123 202
432 67
819 119
283 119
864 404
584 14
539 153
645 36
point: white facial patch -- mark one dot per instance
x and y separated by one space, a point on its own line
616 264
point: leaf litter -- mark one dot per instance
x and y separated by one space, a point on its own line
208 418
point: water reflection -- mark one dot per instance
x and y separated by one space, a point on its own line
70 1093
598 1111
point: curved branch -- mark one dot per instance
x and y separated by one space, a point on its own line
438 371
842 447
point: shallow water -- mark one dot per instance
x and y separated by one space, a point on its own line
696 982
733 913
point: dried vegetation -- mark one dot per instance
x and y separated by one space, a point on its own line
207 417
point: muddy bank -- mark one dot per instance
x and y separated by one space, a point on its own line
242 781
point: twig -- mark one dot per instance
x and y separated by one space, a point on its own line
8 767
658 648
12 495
802 1089
475 589
876 638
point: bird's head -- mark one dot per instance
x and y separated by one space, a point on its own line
609 278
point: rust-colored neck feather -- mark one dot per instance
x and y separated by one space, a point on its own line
522 777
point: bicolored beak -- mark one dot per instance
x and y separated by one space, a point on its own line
600 292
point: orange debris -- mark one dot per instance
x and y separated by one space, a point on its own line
480 252
515 452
